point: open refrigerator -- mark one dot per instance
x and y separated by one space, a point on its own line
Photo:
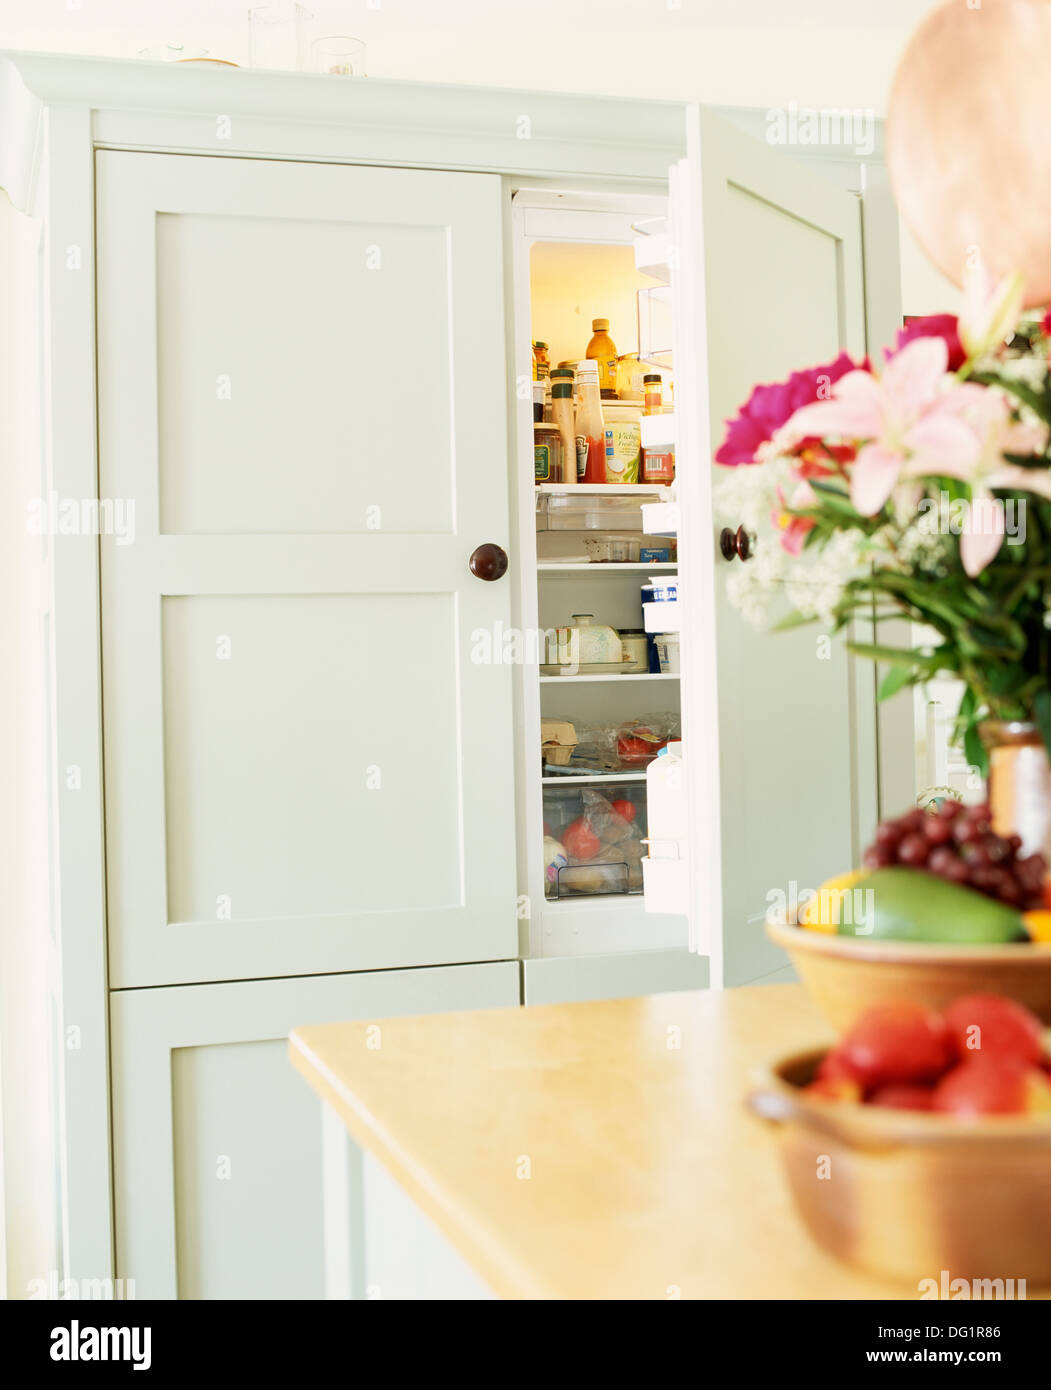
594 736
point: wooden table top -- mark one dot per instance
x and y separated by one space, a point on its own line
597 1150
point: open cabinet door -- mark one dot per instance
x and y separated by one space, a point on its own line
767 277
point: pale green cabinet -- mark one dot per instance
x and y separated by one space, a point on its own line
217 1141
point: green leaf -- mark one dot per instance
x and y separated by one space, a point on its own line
893 681
896 656
974 750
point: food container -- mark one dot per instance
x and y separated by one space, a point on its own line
668 653
660 606
616 866
548 463
604 550
636 647
589 511
909 1194
656 552
845 975
558 739
585 643
621 442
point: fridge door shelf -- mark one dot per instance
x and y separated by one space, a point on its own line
665 883
660 518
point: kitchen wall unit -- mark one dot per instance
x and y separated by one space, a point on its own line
287 317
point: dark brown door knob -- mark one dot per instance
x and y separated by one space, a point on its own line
488 562
733 543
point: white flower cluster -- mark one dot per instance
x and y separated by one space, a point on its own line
812 582
926 541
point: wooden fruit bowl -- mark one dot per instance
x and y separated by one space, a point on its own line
845 975
908 1194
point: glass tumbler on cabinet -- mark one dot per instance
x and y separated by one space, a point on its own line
278 35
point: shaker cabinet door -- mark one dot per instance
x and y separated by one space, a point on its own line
216 1136
769 279
302 417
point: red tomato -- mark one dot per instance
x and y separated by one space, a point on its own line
580 840
897 1042
633 750
625 809
991 1026
837 1088
903 1097
992 1086
835 1067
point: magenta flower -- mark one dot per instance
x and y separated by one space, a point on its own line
905 421
768 407
944 326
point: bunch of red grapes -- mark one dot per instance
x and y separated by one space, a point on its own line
958 843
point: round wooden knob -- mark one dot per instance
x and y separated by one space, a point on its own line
488 562
733 543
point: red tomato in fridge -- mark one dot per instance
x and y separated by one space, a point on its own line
625 809
898 1042
633 750
580 840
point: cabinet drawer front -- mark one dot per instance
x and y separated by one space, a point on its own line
217 1139
302 421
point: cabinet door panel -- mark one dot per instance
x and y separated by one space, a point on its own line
769 279
302 391
217 1139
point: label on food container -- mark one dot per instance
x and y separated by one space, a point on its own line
582 457
542 463
654 554
622 452
658 465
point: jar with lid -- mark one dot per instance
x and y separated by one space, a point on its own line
636 646
653 398
548 461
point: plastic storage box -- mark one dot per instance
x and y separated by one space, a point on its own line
594 839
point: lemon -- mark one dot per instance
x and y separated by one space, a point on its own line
825 910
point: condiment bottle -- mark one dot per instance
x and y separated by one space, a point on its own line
590 427
562 416
653 401
541 361
603 350
547 454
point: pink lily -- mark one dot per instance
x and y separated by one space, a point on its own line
982 533
908 420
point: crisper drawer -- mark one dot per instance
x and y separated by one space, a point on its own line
593 839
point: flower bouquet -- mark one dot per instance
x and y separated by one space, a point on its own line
918 489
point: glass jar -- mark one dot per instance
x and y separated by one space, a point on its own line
1019 783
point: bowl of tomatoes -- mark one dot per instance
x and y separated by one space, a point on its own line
920 1142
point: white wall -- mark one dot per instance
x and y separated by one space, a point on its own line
762 53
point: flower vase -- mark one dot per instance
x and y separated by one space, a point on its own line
1019 783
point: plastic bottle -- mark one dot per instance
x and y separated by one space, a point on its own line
603 350
562 418
590 427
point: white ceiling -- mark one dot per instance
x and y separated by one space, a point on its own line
751 52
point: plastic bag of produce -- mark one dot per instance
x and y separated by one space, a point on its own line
640 740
